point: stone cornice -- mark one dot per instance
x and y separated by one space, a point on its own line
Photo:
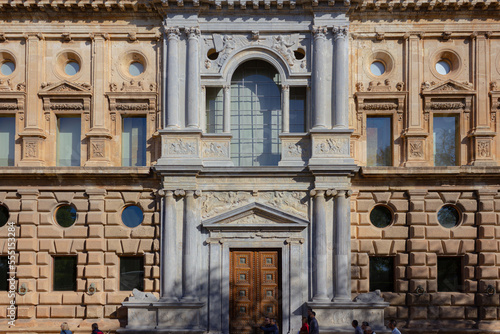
425 5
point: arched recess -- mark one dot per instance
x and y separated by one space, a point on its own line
256 114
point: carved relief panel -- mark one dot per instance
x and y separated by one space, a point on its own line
293 49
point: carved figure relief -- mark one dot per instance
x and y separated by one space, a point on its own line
215 203
284 48
98 150
30 149
483 149
447 105
215 150
416 150
181 147
66 106
338 146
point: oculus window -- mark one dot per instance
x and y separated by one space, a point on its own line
72 68
446 141
7 138
68 141
449 274
4 273
377 68
7 68
381 273
65 215
65 273
134 141
255 115
379 141
132 216
381 216
448 216
131 273
4 215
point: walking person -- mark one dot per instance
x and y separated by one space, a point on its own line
309 316
392 326
95 329
357 329
272 328
65 328
305 326
313 325
364 324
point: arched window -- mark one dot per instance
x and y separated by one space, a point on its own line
255 115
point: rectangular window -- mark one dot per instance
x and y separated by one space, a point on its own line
298 109
65 273
7 138
68 141
215 110
4 273
131 273
446 141
381 273
449 274
134 141
379 141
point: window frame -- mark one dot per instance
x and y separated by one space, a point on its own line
461 280
12 115
56 256
134 115
459 136
60 115
393 272
142 260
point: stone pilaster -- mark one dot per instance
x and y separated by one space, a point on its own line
189 246
285 98
168 245
319 246
342 247
172 87
227 109
341 77
193 78
319 79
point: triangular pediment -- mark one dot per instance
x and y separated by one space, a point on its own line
65 87
255 216
448 86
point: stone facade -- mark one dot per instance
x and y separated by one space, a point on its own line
313 207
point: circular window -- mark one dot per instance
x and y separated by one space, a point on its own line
381 216
448 216
136 69
443 67
299 54
212 54
377 68
65 215
72 68
132 216
4 215
7 68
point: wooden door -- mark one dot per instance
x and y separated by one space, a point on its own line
254 290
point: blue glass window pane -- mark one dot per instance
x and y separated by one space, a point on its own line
382 273
215 110
378 141
131 273
134 141
65 273
445 140
7 68
7 138
443 67
297 109
377 68
255 115
72 68
68 141
132 216
136 69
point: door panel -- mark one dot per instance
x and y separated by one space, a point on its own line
254 289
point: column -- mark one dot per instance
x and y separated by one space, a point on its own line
342 247
413 84
100 67
341 77
319 82
193 78
33 57
172 92
189 247
319 246
285 116
168 246
227 109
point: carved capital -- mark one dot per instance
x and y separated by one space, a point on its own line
319 32
173 33
331 192
193 32
317 192
179 193
285 88
340 32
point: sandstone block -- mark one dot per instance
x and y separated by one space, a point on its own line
42 285
391 312
43 312
354 246
51 298
418 312
114 246
463 299
431 259
112 272
418 272
76 232
25 312
432 205
27 245
400 205
417 245
468 245
469 272
469 204
63 246
155 272
470 286
488 313
99 298
414 283
117 297
27 258
27 217
96 217
95 245
451 247
130 246
72 298
471 312
364 285
400 272
49 232
451 312
47 246
395 232
487 218
28 231
27 271
44 272
80 311
365 205
365 272
62 311
95 258
148 285
113 259
96 231
437 232
487 259
110 311
109 284
402 312
95 271
402 285
116 232
366 246
417 258
486 245
433 312
464 232
417 218
382 247
432 285
432 272
485 300
486 232
94 312
440 298
471 259
435 246
397 299
402 259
